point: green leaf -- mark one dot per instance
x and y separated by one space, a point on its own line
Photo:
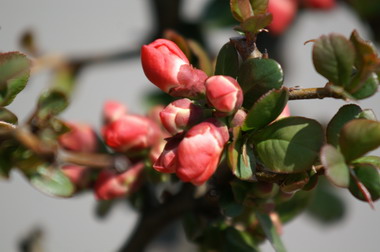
258 76
238 241
369 177
344 115
241 9
14 74
56 99
255 23
336 170
52 103
7 148
266 109
363 48
290 208
333 57
7 116
358 137
326 205
372 160
52 182
270 232
289 145
368 88
259 6
227 62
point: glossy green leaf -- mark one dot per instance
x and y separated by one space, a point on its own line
266 109
7 116
369 176
255 23
295 143
372 160
258 76
14 75
333 57
238 241
344 115
368 88
227 62
358 137
336 170
52 182
270 232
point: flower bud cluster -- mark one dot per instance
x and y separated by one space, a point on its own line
198 135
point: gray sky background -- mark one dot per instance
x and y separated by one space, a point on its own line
83 27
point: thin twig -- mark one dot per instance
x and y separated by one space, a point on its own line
312 93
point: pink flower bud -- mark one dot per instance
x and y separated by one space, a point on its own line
113 110
167 67
283 12
319 4
224 93
198 154
131 133
80 176
167 161
180 115
80 138
110 184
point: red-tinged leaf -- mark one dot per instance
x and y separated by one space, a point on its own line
14 75
358 137
241 9
363 190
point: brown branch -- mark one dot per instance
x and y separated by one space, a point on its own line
312 93
152 221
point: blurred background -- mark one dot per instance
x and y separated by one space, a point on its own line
83 28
